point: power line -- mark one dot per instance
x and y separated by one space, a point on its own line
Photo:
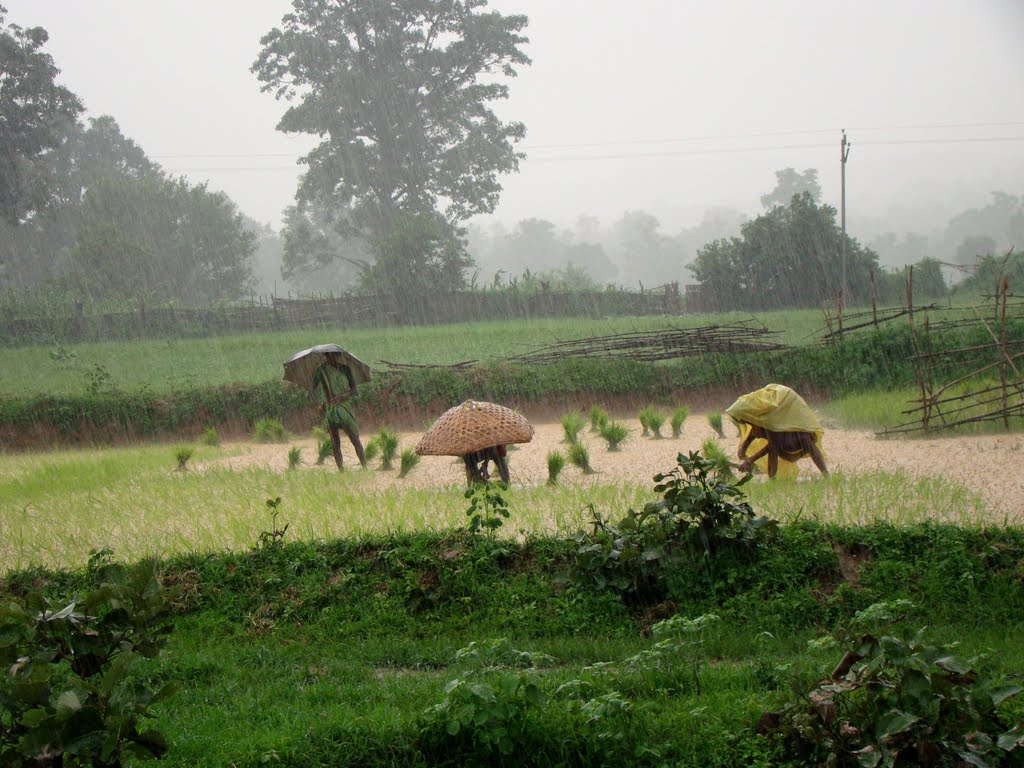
668 140
651 155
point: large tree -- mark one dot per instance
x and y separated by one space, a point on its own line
36 116
399 91
787 257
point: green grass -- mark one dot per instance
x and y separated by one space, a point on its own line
56 507
877 410
331 654
167 365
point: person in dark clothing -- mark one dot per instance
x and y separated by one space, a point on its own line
477 461
333 385
790 446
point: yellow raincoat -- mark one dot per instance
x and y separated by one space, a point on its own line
779 409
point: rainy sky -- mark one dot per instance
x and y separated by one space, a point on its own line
666 106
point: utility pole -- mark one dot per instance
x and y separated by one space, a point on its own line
844 152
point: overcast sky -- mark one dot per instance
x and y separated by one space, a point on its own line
668 106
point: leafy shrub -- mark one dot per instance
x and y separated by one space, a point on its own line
598 418
182 454
294 457
210 437
697 513
268 430
487 507
579 456
678 418
484 718
408 461
572 423
615 434
556 463
894 699
715 421
67 692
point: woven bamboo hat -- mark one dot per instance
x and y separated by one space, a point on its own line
473 426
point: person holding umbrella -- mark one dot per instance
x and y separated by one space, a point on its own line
333 385
331 373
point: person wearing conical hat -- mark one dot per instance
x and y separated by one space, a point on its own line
778 426
477 461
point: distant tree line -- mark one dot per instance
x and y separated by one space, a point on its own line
84 210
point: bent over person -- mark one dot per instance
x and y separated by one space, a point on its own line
333 385
777 429
477 461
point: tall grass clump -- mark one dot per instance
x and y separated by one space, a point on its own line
294 457
714 453
556 463
655 421
210 437
386 443
182 454
269 430
579 456
678 418
598 418
408 461
645 419
324 445
572 423
615 434
715 420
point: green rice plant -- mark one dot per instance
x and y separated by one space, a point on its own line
269 430
714 453
715 420
655 421
371 450
645 419
324 445
556 463
408 460
678 418
387 442
210 437
183 454
598 418
580 457
572 423
294 457
615 434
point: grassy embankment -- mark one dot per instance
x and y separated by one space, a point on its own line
153 390
333 654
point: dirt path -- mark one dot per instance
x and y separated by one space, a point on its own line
989 465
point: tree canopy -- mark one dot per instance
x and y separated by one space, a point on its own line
397 91
787 257
789 182
36 115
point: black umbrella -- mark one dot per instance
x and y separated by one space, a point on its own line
298 369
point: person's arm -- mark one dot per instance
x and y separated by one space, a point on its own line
341 397
748 461
817 458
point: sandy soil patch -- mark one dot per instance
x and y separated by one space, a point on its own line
988 465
